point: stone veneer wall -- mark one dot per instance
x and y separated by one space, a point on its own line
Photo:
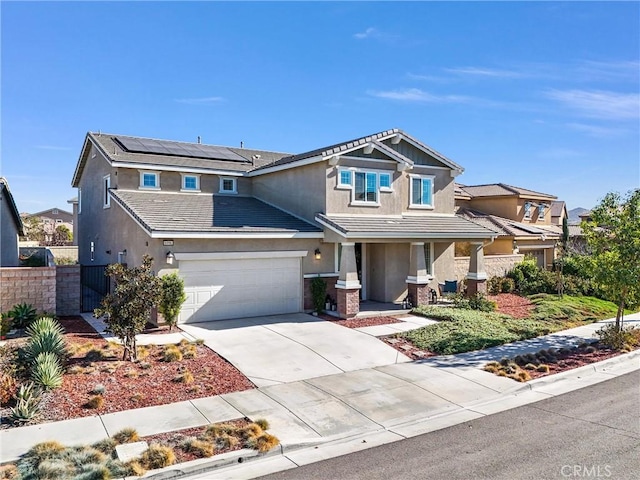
49 289
494 265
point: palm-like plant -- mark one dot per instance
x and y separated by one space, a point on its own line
23 314
47 371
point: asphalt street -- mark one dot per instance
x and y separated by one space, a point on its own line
593 432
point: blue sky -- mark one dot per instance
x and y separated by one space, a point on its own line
539 95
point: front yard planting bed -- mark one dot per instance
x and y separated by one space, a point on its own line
362 322
97 381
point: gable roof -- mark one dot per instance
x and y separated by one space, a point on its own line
557 207
375 140
6 194
210 216
502 190
506 227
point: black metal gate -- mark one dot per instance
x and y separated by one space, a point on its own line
94 284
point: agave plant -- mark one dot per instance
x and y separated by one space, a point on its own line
42 325
27 403
47 371
46 342
23 314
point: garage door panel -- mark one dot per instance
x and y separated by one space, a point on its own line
233 288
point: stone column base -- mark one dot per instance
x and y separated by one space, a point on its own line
476 286
418 293
348 302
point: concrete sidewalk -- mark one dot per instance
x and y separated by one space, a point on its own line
334 413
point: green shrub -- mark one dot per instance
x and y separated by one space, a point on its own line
157 456
22 314
173 296
46 371
507 285
106 446
42 325
318 294
494 285
27 403
627 338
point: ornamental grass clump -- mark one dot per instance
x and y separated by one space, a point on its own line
172 354
157 456
126 435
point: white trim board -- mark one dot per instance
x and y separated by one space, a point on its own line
240 255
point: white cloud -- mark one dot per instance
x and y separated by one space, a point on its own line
595 130
613 70
417 95
485 72
368 33
599 103
200 101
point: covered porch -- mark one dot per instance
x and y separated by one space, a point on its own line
398 262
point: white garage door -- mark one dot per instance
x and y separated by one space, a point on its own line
240 287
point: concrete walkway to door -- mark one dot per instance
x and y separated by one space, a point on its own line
286 348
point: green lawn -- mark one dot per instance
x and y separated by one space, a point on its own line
465 330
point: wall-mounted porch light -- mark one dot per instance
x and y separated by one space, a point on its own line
170 258
317 254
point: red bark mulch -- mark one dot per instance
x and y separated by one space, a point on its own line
362 322
149 381
512 304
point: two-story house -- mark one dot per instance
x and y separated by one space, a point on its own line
248 230
51 219
522 218
10 227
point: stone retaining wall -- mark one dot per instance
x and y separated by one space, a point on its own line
494 265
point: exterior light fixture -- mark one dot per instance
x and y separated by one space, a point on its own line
318 254
170 258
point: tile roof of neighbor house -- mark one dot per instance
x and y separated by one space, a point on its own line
434 226
501 190
557 206
176 212
507 227
4 188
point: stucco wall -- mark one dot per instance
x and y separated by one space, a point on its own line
495 265
8 234
443 263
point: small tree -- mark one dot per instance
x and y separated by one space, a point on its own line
562 253
127 309
61 236
613 239
34 229
173 297
318 294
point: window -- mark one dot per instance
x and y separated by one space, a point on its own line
385 181
58 220
541 210
421 191
345 178
366 189
527 209
55 211
428 257
191 182
149 180
228 185
79 200
106 185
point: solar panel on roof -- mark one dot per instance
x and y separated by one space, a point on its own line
166 147
527 228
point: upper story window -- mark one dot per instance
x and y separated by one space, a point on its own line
228 185
106 185
345 178
421 191
55 211
191 183
541 209
385 181
527 210
149 180
366 187
79 200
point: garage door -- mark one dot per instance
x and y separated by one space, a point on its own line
229 288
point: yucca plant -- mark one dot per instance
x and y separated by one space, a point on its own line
47 371
47 341
27 403
44 324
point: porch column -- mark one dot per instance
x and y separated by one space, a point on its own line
476 277
418 280
348 285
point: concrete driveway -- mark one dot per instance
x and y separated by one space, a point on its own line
286 348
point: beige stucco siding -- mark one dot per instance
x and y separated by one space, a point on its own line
443 263
129 179
300 191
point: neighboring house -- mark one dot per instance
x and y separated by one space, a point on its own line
51 219
248 230
10 227
74 205
521 217
558 212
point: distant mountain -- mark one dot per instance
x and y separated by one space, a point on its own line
574 215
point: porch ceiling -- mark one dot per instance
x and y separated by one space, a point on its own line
424 227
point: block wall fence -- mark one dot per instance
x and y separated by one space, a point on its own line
48 289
